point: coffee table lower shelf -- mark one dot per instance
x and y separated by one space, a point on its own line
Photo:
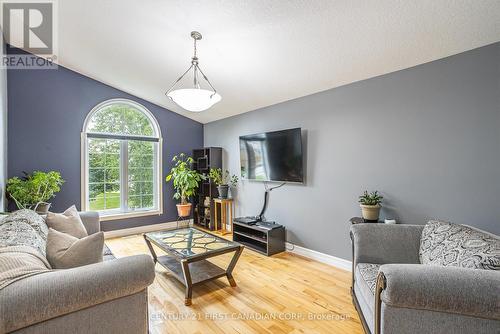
201 271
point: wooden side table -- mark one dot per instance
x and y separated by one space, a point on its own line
225 204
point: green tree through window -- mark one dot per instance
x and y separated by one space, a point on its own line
121 158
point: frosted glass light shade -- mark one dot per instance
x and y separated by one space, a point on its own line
194 99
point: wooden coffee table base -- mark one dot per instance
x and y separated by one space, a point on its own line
197 270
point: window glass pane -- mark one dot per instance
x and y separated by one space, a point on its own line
112 175
134 202
134 174
96 204
104 173
147 173
147 201
141 176
96 189
134 188
121 118
96 175
147 188
112 201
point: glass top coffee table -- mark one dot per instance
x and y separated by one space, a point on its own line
188 250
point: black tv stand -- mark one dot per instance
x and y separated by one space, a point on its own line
267 238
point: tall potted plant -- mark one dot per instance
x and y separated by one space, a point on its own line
370 205
185 181
33 191
222 180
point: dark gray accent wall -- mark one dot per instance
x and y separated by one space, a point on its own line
47 109
427 137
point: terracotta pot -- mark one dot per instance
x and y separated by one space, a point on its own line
370 212
184 210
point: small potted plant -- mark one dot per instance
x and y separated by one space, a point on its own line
370 205
222 180
233 182
185 181
33 191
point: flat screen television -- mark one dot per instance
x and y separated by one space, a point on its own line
272 156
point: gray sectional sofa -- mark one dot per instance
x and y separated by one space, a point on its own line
395 293
106 297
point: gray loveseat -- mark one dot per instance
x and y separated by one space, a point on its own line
394 293
107 297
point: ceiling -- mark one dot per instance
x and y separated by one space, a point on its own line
258 53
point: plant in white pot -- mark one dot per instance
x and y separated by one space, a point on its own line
33 191
185 181
370 205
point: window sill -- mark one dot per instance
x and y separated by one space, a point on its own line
125 215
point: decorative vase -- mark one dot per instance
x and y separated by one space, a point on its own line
370 212
42 208
184 210
223 189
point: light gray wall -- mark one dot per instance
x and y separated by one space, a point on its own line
3 132
427 137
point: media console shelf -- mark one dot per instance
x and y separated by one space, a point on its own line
263 240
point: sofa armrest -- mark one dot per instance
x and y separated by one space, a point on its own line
91 221
381 243
472 292
49 295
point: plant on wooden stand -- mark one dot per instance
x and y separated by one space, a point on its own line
370 205
222 180
32 191
185 181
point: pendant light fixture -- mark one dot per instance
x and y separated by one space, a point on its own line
194 99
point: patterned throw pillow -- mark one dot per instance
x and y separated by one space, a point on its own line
31 218
24 228
449 244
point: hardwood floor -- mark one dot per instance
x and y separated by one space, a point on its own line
280 294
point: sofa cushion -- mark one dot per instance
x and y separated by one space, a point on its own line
68 222
448 244
24 228
65 251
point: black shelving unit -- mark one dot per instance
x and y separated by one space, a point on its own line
263 240
204 159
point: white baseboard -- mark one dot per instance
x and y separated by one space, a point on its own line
320 257
142 229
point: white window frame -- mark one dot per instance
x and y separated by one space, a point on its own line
123 212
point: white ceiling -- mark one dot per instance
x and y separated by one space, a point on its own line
258 53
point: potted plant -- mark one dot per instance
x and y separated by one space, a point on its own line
33 191
233 183
185 181
370 205
222 180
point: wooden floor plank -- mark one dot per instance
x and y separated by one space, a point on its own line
285 294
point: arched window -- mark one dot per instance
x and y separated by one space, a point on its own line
121 143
